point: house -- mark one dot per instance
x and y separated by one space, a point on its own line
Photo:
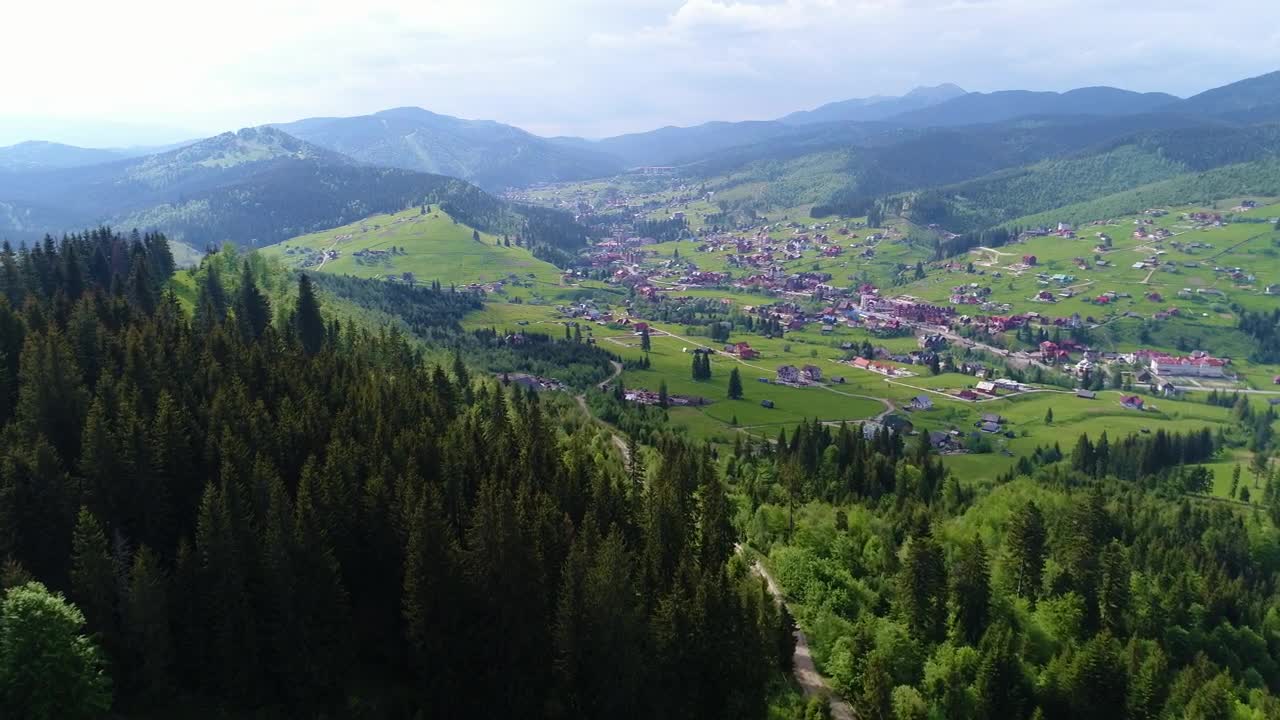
788 374
862 363
992 418
989 427
921 402
898 423
767 404
1275 380
988 387
1131 402
1086 394
1029 260
939 440
1168 389
640 327
871 429
932 342
967 395
744 351
811 373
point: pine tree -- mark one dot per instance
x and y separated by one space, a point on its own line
308 325
253 310
664 400
922 588
971 592
145 617
1025 544
93 579
1113 591
645 344
735 385
1048 416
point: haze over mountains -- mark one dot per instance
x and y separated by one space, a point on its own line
261 185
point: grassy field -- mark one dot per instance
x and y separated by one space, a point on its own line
434 248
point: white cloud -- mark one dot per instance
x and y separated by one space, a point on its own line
582 66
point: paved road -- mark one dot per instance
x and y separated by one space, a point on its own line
806 673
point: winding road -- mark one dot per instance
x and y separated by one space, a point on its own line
618 442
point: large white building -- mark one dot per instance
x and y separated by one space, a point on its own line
1189 366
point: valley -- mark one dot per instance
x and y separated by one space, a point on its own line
943 405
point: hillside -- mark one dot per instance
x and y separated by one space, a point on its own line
874 108
254 187
1118 167
416 247
36 154
489 154
671 145
1238 97
975 108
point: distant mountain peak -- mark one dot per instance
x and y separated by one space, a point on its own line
944 90
876 107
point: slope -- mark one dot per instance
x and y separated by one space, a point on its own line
1136 161
254 187
416 247
487 153
975 108
37 154
874 108
1238 97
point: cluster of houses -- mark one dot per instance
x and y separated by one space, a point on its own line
876 366
791 375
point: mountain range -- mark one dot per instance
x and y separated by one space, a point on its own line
260 185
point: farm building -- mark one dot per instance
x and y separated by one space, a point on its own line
1086 394
766 404
992 418
921 402
789 374
1131 402
812 373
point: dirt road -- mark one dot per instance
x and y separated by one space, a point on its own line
806 673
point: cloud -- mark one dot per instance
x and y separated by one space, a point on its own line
585 67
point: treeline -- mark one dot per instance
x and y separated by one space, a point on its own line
1264 328
267 512
1139 456
662 230
569 360
432 312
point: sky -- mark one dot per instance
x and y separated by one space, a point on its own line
155 71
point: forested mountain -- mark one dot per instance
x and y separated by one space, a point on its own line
838 168
1238 97
671 145
36 154
254 187
975 108
1114 168
489 154
263 513
878 107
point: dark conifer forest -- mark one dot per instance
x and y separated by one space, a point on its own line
262 512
